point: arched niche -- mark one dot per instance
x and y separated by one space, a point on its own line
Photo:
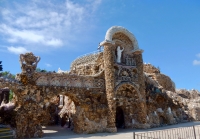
130 86
111 32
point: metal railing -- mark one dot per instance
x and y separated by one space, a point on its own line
85 58
90 53
192 132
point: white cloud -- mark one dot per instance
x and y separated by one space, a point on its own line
48 23
30 36
198 55
48 65
12 40
54 42
27 35
17 50
196 62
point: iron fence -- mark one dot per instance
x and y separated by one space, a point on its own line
192 132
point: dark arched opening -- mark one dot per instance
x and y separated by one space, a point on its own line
119 118
162 120
61 111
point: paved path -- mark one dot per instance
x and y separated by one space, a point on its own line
56 132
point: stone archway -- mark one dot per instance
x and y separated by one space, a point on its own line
116 29
131 87
61 110
130 101
33 102
34 90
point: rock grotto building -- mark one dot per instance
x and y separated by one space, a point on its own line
110 89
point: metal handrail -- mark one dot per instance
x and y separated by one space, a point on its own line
85 56
94 52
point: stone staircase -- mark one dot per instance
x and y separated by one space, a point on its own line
6 133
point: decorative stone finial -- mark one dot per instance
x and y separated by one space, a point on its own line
28 62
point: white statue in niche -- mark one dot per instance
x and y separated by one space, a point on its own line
119 53
147 118
133 121
169 110
61 100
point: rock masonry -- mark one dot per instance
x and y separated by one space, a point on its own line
103 91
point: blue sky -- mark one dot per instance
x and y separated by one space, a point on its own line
60 31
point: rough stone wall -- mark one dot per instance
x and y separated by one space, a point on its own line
164 81
170 107
190 103
98 85
29 115
89 121
161 107
189 94
163 103
84 60
148 68
91 109
91 67
35 91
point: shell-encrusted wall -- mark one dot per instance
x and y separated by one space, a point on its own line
108 89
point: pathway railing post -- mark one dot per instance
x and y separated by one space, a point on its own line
194 132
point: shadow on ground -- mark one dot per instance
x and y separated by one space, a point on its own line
56 132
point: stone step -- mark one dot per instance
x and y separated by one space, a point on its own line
5 133
4 129
6 136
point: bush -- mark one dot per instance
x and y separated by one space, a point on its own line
10 95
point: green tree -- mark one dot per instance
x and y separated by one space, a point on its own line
10 95
1 67
40 70
7 73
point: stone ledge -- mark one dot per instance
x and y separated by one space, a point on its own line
111 130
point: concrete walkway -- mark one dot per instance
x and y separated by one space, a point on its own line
56 132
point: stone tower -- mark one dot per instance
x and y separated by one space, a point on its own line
124 81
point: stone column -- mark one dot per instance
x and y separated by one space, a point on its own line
108 56
29 114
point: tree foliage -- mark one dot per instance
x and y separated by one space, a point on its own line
8 74
10 95
40 70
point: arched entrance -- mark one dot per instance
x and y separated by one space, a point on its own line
61 110
119 117
60 106
128 105
162 120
